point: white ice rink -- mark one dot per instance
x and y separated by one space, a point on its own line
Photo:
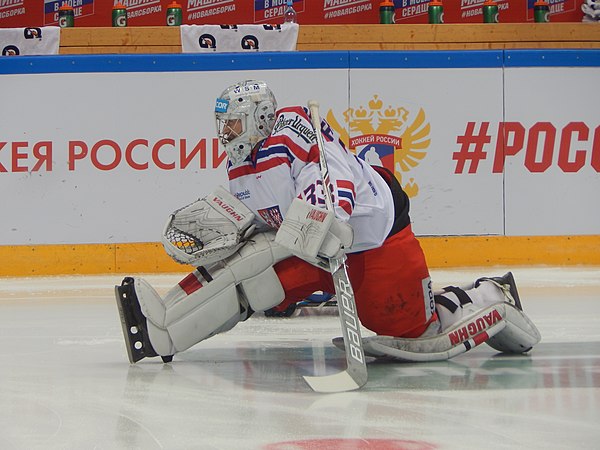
65 382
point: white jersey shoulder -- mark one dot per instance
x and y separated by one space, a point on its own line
286 166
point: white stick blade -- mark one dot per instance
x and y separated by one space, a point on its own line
337 382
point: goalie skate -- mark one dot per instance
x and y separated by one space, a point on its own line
520 334
133 323
316 304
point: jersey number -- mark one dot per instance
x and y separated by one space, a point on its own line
314 195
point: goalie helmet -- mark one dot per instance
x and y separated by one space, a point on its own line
245 115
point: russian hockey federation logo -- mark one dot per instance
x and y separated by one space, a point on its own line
391 137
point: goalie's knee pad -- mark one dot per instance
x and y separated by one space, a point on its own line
252 269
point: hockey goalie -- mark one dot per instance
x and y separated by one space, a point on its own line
265 241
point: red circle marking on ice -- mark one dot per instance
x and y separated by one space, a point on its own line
351 444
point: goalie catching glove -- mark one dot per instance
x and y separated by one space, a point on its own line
208 230
312 233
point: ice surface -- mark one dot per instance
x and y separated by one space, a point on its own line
65 382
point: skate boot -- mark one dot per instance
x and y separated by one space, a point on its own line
133 322
508 286
276 311
520 334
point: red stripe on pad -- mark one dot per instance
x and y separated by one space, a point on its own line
481 338
190 284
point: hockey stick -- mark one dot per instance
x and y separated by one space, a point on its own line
355 375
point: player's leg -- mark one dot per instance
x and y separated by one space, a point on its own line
300 279
402 312
487 311
391 284
393 287
206 302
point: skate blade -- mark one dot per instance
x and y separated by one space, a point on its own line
132 339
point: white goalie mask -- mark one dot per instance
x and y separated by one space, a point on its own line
245 115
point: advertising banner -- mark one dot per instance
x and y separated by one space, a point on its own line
98 13
414 127
100 149
29 41
110 166
552 150
238 38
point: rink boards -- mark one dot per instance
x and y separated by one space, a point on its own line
498 150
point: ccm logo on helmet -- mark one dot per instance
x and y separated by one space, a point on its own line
221 105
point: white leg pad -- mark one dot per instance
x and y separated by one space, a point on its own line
151 303
153 308
519 335
181 320
486 294
161 341
213 301
473 330
211 315
487 311
263 291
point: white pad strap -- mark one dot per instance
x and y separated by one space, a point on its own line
208 230
308 232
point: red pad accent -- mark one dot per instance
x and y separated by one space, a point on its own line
190 284
481 338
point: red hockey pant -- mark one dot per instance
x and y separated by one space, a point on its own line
387 283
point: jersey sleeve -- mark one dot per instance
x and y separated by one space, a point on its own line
293 129
309 182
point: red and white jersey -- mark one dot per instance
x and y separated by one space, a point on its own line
286 165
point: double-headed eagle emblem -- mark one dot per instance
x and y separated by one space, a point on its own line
386 137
